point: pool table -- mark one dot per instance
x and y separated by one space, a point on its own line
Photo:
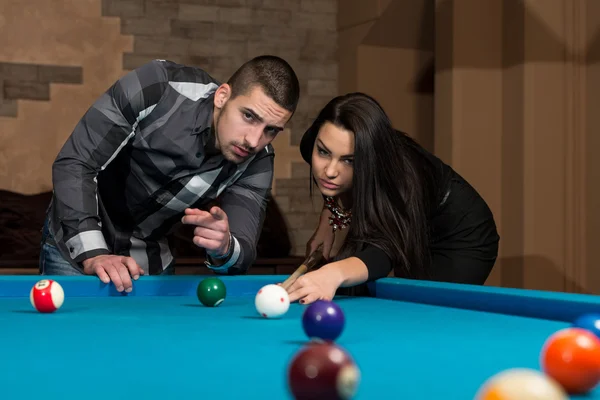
410 339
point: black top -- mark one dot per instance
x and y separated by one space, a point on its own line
463 236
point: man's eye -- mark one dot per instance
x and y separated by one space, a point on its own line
248 116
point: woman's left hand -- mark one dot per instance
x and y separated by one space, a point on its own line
320 284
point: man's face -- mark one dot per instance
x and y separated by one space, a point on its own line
246 124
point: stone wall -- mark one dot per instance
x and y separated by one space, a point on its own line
56 58
31 82
63 61
219 35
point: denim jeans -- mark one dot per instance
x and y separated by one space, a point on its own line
53 263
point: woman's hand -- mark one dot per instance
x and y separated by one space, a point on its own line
324 235
320 284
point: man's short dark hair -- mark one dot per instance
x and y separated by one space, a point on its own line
273 74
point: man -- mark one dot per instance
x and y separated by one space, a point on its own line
160 145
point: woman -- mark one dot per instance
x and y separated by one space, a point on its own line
390 206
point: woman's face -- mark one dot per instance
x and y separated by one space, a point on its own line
332 159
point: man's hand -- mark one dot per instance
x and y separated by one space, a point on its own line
212 229
118 269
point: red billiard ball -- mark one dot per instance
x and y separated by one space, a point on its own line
323 371
47 296
571 356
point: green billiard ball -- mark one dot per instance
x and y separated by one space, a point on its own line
211 292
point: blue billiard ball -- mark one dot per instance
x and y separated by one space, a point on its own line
591 322
323 320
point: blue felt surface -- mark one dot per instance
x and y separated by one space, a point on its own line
105 346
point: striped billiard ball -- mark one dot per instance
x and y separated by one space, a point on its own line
323 371
521 384
47 296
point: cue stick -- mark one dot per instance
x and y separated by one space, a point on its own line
306 266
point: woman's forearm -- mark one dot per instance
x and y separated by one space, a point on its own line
348 272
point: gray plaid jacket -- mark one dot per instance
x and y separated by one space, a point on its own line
138 158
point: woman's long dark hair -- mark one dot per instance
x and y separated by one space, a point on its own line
392 185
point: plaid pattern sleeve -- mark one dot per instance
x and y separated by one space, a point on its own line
136 160
245 204
99 136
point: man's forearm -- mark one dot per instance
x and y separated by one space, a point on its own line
232 259
79 226
98 137
245 204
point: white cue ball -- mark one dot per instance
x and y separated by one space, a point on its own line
272 301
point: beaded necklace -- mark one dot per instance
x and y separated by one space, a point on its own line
340 218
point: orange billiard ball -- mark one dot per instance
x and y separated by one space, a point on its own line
571 356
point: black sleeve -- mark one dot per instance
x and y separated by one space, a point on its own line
378 263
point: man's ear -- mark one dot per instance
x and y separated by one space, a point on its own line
222 94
